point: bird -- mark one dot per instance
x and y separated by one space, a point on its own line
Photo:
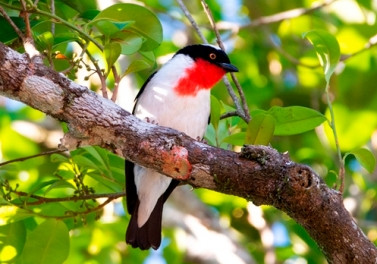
175 96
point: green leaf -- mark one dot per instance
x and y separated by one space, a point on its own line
44 41
89 14
137 65
7 32
47 244
66 174
365 157
112 53
58 158
108 26
260 129
12 240
97 153
59 184
237 139
11 214
293 120
130 42
215 112
85 162
66 37
327 48
41 185
145 23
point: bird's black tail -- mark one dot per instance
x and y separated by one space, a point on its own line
149 235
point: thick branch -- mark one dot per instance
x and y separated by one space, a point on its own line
258 173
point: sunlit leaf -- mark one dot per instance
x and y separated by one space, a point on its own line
12 240
99 154
85 162
215 112
56 157
59 184
112 52
237 139
44 41
365 157
295 119
327 49
10 214
108 26
47 244
137 65
130 42
354 127
260 130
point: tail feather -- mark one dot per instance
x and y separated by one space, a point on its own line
149 235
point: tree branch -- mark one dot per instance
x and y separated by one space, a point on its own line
258 173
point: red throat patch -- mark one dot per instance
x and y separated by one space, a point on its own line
203 75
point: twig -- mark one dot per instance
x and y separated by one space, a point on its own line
192 21
99 72
229 114
42 200
28 40
33 156
245 109
70 214
25 15
116 84
52 12
286 15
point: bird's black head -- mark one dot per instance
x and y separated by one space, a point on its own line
209 53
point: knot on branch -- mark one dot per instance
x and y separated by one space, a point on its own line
263 155
301 177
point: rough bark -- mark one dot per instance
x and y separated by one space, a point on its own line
258 173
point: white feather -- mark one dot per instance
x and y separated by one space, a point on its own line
160 103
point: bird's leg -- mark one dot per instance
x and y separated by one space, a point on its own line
201 139
151 121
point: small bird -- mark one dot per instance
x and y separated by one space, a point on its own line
176 96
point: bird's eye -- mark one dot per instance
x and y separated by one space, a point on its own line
212 56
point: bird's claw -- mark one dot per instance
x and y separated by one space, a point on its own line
151 121
200 139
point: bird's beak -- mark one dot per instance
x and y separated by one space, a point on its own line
228 67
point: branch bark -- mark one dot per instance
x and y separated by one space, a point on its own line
258 173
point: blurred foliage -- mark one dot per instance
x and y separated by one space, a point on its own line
285 88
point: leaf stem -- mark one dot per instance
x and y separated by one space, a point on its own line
333 127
